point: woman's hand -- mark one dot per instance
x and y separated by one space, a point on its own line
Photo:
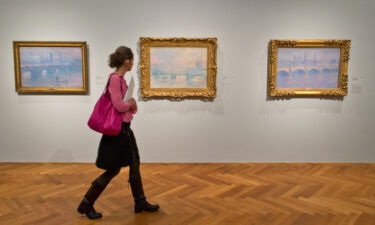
133 104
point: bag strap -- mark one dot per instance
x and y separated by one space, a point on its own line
106 86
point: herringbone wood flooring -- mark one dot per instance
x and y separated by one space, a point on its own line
194 193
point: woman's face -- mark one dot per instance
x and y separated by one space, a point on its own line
129 64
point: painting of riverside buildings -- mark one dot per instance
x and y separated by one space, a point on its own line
179 67
50 67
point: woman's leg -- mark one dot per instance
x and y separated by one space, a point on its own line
97 187
135 180
100 183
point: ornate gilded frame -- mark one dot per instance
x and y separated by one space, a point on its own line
50 90
342 88
147 42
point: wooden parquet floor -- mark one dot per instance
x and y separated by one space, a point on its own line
194 193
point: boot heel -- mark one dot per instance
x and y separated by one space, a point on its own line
138 210
88 209
80 210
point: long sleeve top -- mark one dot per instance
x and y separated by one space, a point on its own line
117 88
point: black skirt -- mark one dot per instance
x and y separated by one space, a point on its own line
116 151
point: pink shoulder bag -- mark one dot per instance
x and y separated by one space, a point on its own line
105 118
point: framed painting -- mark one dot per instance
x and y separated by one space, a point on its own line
308 67
50 67
178 67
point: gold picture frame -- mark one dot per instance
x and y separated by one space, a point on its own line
208 47
323 73
50 67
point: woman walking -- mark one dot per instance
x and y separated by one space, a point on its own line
118 151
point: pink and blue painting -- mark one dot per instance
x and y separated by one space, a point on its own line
51 66
308 67
178 67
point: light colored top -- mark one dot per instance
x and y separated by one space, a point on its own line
117 88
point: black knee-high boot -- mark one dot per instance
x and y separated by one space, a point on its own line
136 185
97 187
140 202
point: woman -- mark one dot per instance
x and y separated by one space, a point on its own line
118 151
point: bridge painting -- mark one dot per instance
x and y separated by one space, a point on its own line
51 66
308 67
178 67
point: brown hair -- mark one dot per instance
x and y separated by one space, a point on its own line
117 58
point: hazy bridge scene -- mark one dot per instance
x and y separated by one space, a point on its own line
51 66
308 67
178 67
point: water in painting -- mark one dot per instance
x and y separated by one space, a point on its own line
51 66
178 67
308 67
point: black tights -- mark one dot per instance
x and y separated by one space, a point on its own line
135 180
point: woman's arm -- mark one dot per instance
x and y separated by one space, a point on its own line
135 109
114 89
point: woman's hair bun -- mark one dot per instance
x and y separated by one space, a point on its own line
117 58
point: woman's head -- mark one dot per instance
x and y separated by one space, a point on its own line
122 57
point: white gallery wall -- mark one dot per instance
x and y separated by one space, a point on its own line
239 125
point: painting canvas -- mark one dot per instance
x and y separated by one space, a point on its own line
178 67
51 67
308 67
